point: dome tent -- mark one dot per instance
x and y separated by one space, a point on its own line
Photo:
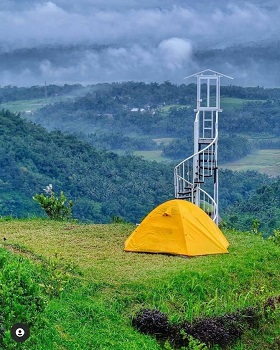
177 227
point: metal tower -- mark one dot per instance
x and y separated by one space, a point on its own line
201 169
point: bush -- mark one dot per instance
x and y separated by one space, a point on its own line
152 322
224 330
21 298
2 331
271 305
275 237
210 331
55 207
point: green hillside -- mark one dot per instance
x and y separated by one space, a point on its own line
102 184
91 288
131 116
262 206
105 116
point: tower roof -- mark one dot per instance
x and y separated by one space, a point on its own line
209 72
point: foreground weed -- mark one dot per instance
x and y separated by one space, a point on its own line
57 275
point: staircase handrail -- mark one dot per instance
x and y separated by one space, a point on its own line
179 177
201 151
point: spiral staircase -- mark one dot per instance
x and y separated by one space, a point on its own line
200 170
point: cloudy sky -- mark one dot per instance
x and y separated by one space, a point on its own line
90 41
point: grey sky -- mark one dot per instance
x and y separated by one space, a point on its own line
148 40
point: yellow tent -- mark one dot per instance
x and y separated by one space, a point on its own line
177 227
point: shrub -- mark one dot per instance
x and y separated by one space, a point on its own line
21 298
223 330
152 322
275 237
271 304
54 206
2 331
210 331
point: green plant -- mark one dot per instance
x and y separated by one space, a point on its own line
115 219
275 237
203 332
21 298
255 227
2 330
55 277
195 344
54 206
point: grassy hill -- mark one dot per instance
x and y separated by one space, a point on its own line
94 288
263 160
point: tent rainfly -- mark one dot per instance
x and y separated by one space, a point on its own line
177 227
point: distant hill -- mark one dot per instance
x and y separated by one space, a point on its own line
143 117
102 184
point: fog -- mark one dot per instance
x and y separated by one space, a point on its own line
91 41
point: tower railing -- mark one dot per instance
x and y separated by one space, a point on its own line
201 168
191 173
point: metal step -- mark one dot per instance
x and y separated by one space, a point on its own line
206 167
205 140
197 181
184 196
206 162
208 153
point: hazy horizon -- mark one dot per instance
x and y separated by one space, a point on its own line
94 41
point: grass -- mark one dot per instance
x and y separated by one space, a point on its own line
233 102
265 161
155 155
163 140
24 105
31 105
167 108
226 103
109 285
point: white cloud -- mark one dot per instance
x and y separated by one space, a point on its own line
142 40
175 52
53 22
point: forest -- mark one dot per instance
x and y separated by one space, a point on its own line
134 116
77 152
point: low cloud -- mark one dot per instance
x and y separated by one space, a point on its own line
151 40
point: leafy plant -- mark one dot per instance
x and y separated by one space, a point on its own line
2 330
195 344
271 305
202 333
54 206
118 220
56 275
255 227
21 298
275 237
152 322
